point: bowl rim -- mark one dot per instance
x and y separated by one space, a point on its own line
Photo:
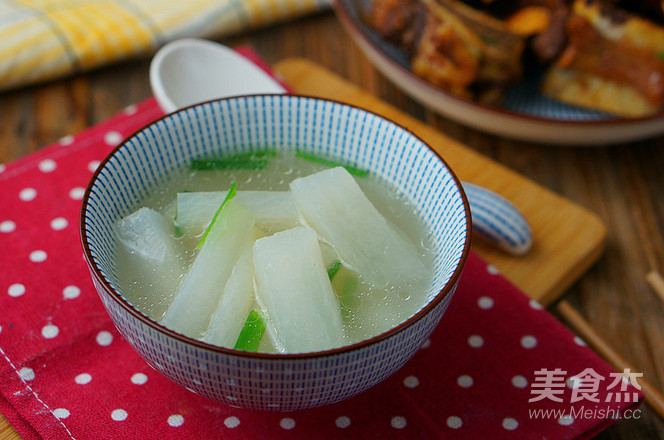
446 290
350 23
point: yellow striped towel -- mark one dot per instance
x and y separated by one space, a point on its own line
46 39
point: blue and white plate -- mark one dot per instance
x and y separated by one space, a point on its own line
526 114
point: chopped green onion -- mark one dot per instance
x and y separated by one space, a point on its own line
229 196
330 163
346 285
661 54
333 269
256 160
179 230
227 164
254 155
252 332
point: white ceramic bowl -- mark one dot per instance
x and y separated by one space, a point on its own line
236 125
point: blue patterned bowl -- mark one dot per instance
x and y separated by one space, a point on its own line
275 381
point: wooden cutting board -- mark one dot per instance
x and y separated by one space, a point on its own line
568 239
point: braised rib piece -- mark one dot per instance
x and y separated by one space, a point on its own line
501 49
400 21
453 46
612 61
551 42
599 55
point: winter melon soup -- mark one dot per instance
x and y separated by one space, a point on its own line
274 252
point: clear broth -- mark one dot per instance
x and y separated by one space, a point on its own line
151 287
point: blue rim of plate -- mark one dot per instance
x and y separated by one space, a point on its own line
523 101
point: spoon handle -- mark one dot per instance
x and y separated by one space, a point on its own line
497 219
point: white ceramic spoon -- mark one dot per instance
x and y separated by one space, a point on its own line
192 70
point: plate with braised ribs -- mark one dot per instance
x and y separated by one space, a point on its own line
573 72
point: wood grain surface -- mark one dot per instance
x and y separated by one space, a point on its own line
623 184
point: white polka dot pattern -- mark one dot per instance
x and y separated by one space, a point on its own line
104 338
175 420
465 381
519 381
232 422
398 422
566 420
38 256
529 342
139 379
441 368
50 331
26 373
83 379
27 194
71 292
476 341
112 138
287 423
47 166
411 382
510 424
67 140
59 223
119 415
485 302
92 166
7 226
342 422
16 290
61 413
454 422
76 193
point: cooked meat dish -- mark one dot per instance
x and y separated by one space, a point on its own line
604 55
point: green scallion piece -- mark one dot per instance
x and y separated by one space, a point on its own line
661 54
254 155
256 160
227 164
231 193
252 332
333 269
330 163
178 230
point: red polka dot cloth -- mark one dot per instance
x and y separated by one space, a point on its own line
498 365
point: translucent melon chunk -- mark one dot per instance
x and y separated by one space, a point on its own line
148 234
293 286
335 206
235 303
273 210
202 286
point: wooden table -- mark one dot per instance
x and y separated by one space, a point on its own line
622 184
